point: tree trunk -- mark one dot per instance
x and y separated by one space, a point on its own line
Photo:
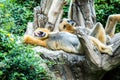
90 66
83 12
48 14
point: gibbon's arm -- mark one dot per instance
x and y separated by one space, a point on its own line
103 48
40 37
111 24
34 41
99 32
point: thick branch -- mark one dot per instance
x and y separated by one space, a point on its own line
110 62
92 53
83 12
48 14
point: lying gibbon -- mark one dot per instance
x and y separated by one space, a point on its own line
62 41
55 40
102 35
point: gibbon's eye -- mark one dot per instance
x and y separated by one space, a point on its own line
72 23
68 21
64 27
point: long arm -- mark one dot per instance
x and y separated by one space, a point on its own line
111 24
31 40
99 32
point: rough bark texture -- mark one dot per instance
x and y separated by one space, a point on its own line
83 12
48 14
90 66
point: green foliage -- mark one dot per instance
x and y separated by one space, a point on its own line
6 41
104 8
18 62
66 9
15 14
21 64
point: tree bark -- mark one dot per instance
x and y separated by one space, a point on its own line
90 66
48 14
83 12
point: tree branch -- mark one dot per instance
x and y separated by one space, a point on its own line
110 62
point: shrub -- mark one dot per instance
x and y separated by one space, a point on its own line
7 41
18 62
15 14
21 64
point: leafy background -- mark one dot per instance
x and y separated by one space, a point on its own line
17 61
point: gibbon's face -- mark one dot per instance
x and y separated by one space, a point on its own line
67 25
41 33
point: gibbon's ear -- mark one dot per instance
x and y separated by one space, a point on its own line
41 33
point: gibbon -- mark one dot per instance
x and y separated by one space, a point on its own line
98 35
55 40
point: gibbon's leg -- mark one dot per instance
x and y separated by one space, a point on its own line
111 24
99 32
102 47
31 40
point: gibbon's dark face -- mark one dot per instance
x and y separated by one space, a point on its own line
41 33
